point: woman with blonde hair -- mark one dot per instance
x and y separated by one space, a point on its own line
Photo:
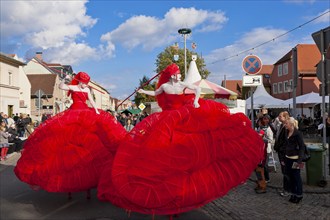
294 151
279 147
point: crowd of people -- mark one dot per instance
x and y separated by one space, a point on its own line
283 135
13 132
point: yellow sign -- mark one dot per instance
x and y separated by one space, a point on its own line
142 106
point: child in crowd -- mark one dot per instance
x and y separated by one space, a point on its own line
4 145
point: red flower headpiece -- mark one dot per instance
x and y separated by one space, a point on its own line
165 75
80 77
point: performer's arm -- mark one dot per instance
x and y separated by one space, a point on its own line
90 99
197 90
152 93
62 84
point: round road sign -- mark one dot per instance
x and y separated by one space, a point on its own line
252 64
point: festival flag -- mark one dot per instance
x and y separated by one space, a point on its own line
193 45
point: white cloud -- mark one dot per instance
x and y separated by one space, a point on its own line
53 26
151 32
71 53
324 18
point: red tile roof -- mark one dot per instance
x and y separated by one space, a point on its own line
266 69
233 85
308 56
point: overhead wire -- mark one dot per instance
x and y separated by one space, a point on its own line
273 39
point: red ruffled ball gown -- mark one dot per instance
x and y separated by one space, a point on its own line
181 158
67 152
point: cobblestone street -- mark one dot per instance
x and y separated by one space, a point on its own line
18 201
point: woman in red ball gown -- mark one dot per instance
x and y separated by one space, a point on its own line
191 153
67 152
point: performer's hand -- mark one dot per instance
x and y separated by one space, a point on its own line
97 111
140 91
196 104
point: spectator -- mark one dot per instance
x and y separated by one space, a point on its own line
294 151
4 144
22 123
1 116
128 127
14 138
279 147
262 172
8 120
16 117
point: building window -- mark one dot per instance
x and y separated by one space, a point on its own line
285 68
275 88
291 85
280 87
279 70
10 78
286 86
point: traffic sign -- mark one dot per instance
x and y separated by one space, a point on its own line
251 80
142 106
252 64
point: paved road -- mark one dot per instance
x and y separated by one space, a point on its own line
18 201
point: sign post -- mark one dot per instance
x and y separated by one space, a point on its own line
39 94
252 65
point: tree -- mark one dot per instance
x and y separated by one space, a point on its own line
165 58
143 98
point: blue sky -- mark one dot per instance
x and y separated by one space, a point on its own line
117 42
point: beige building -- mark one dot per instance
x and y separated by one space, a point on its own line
14 86
101 96
46 77
46 97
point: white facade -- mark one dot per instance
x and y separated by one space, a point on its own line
14 86
102 97
24 92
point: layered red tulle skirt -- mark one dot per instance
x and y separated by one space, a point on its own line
180 159
67 152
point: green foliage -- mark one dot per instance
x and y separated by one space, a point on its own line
143 98
166 57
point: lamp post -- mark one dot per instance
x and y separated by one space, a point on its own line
185 32
288 89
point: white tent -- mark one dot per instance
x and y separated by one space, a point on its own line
308 98
261 98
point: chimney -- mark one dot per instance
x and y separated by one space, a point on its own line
39 55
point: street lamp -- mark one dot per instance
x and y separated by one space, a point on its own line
185 32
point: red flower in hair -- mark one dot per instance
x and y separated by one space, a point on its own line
165 75
80 77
